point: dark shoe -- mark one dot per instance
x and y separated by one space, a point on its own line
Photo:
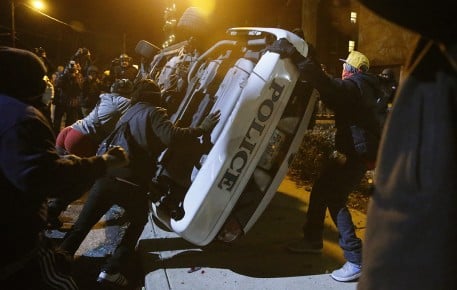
305 246
54 223
112 279
55 208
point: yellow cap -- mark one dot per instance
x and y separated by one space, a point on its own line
357 60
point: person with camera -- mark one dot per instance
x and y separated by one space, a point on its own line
83 58
122 68
68 88
91 89
41 53
30 172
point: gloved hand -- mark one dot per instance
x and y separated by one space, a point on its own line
116 156
210 121
283 47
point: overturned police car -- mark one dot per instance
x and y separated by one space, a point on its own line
229 176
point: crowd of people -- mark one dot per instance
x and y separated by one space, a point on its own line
46 164
29 143
76 85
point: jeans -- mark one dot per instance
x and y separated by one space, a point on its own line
102 196
331 190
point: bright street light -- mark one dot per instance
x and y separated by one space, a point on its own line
39 5
36 6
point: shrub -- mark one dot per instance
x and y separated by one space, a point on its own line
316 146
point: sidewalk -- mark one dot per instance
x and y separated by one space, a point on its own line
259 260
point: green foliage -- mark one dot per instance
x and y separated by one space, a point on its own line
316 147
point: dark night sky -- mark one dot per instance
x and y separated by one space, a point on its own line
106 22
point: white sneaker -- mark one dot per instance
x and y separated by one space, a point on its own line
349 272
117 278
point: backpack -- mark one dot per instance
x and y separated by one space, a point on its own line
120 136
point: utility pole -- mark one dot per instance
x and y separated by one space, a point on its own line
124 40
13 25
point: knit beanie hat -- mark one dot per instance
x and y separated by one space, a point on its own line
193 22
21 74
147 91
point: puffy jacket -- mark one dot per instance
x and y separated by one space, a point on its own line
411 228
352 99
31 171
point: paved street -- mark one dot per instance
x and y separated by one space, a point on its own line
258 260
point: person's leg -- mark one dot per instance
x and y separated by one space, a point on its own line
322 188
99 201
348 240
350 175
313 228
134 201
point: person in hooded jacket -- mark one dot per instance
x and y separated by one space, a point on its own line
411 231
66 98
151 132
83 137
30 172
353 100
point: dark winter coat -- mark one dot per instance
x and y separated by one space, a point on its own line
68 88
353 101
152 132
411 227
31 171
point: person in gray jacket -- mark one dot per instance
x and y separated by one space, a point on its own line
83 137
149 131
